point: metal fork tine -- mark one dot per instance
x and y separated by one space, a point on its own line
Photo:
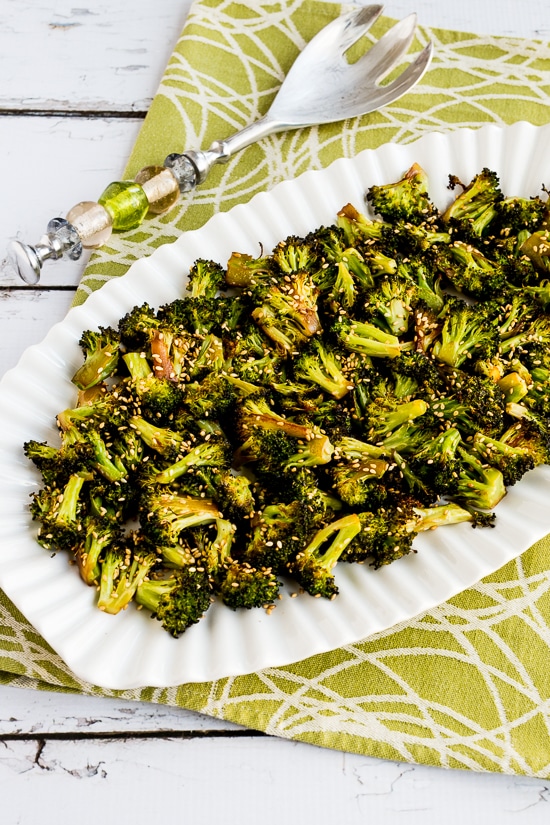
391 47
356 25
408 78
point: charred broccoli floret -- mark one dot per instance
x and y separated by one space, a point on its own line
313 566
101 355
177 601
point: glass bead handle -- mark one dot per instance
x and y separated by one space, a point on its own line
124 204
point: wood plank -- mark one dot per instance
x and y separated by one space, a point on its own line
246 780
25 318
47 165
96 58
30 714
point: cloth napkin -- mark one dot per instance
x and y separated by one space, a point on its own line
465 685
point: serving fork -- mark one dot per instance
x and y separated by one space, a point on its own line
322 86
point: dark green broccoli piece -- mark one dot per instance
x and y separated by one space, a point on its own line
323 367
244 586
313 566
100 534
343 272
359 484
437 464
101 355
206 278
513 462
211 398
536 247
390 305
405 200
159 398
475 208
516 214
470 271
357 227
288 313
388 415
479 486
246 271
389 534
366 339
57 464
166 514
60 512
295 255
275 535
216 452
123 568
177 601
167 442
467 334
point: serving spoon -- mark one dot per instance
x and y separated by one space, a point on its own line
322 86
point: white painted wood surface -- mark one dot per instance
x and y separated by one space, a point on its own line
75 83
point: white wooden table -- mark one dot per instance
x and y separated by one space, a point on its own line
75 83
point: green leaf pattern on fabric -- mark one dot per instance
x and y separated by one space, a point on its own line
466 685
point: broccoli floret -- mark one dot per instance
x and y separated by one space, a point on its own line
166 514
357 227
513 462
123 569
407 199
323 367
244 586
60 512
479 485
470 271
466 334
206 278
163 440
516 214
536 247
343 272
246 271
358 484
213 397
529 435
159 398
137 327
474 403
276 529
473 210
57 464
389 534
295 255
533 335
429 292
391 304
437 463
386 416
216 452
177 601
101 355
288 313
100 535
313 566
366 339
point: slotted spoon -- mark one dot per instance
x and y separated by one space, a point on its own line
322 86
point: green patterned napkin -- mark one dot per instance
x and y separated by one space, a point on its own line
466 685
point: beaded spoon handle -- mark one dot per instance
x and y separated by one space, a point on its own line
321 87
